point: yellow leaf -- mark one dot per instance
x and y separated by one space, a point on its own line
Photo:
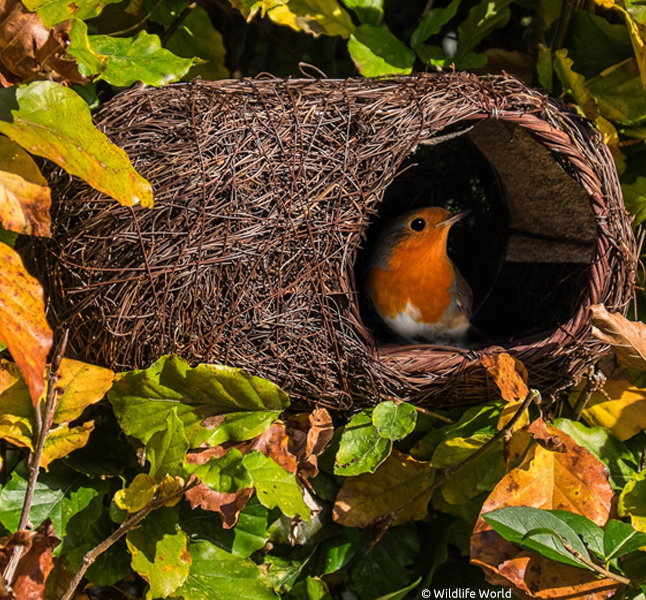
23 326
622 411
632 501
399 480
509 374
611 139
575 84
170 489
16 410
82 385
317 17
507 414
25 197
139 493
62 440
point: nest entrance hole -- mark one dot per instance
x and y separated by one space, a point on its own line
526 247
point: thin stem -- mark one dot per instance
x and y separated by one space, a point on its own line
595 380
427 9
138 24
43 424
435 415
567 10
177 22
128 525
444 474
594 566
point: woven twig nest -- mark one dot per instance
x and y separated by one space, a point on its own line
264 192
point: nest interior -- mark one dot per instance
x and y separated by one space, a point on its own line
268 193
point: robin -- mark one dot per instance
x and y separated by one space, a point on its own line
414 286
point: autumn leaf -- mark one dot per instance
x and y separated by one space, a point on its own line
137 495
62 440
509 374
29 50
229 505
632 501
36 562
274 444
25 197
316 17
400 483
563 477
23 326
627 338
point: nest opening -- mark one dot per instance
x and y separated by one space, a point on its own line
526 247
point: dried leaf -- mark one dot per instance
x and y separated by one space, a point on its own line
30 51
36 562
571 480
25 197
400 480
274 443
509 374
627 338
228 505
23 326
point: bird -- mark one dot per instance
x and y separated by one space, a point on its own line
414 286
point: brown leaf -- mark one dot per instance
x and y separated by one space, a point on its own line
35 563
627 338
571 480
31 51
550 439
23 326
228 505
509 374
320 433
25 197
274 443
401 483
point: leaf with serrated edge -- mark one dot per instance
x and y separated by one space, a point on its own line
218 575
361 449
23 326
160 552
565 478
53 121
401 482
275 486
25 197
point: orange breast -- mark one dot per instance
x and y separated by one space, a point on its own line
419 273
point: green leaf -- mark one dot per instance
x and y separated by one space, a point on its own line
243 406
591 534
544 70
166 450
370 12
394 421
401 594
248 536
333 554
226 474
538 530
621 539
218 575
632 501
160 552
433 22
574 83
383 569
595 45
284 565
603 446
362 449
635 198
124 61
275 486
196 36
52 121
484 17
309 589
53 12
59 495
316 17
620 95
376 52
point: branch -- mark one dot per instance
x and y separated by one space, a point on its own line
444 474
177 22
128 525
595 567
435 415
595 381
43 425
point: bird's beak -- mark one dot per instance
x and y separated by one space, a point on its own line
453 219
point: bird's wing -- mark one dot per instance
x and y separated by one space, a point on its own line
463 294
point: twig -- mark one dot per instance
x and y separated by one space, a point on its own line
594 566
43 425
128 525
177 22
427 9
567 9
444 474
435 415
595 380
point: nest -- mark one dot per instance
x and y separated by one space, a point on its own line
265 192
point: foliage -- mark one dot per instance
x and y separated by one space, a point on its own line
197 482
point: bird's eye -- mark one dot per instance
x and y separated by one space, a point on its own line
418 224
